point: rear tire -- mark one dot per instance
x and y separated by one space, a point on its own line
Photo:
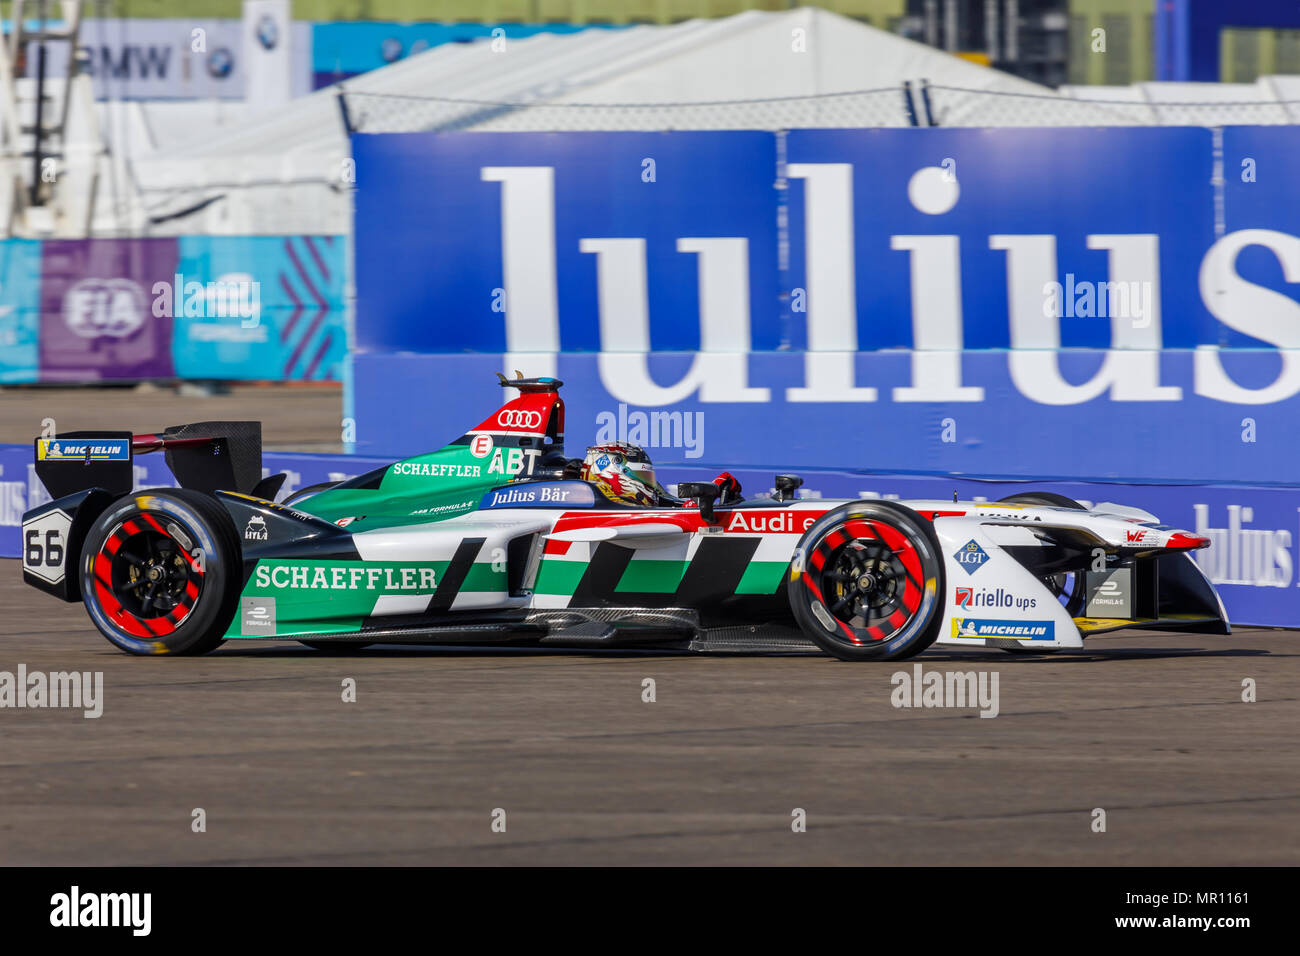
866 582
160 572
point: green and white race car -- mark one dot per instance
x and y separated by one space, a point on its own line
493 539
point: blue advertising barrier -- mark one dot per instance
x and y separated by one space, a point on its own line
403 401
1255 531
496 242
20 319
1007 302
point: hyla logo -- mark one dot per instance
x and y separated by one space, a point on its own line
971 556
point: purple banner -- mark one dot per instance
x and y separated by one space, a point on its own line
97 315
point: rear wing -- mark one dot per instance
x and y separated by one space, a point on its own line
205 456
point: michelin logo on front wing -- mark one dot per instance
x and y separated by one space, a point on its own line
966 627
338 578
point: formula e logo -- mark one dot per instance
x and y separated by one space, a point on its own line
481 446
258 616
519 418
971 556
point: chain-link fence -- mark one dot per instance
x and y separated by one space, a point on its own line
904 105
955 106
391 113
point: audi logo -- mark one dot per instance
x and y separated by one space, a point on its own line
519 418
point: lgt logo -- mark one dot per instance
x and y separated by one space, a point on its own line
971 557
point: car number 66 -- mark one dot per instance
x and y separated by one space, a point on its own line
49 555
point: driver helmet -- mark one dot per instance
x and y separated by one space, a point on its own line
623 472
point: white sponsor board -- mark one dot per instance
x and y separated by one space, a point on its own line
187 58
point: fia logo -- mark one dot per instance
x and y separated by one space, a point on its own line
971 556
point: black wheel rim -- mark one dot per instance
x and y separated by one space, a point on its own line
867 578
145 580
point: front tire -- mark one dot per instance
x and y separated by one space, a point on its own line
866 582
160 572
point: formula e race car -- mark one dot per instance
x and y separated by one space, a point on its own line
493 540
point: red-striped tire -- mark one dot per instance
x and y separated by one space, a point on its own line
160 572
867 580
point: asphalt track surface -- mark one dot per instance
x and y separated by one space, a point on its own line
1149 727
295 416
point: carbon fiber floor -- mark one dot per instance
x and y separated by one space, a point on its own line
1149 727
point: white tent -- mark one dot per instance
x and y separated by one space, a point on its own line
201 167
287 171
